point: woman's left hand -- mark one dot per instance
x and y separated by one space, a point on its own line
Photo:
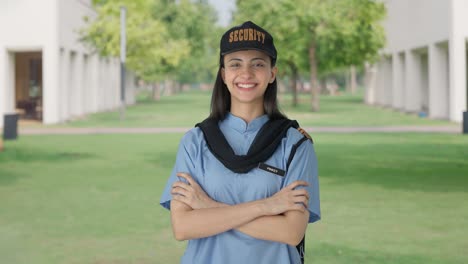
192 193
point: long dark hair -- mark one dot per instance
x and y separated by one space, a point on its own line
221 98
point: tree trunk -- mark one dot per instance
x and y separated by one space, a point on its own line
348 81
156 91
314 87
293 83
169 87
353 79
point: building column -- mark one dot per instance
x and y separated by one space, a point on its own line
457 60
424 81
94 82
72 87
3 82
412 92
51 100
87 92
370 83
438 82
64 85
380 82
7 83
102 85
387 88
398 80
78 84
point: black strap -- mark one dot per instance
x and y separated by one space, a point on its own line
301 246
263 146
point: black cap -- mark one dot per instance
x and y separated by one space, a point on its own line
247 36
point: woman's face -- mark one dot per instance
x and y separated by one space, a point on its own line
247 74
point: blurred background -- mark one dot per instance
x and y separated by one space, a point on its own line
89 135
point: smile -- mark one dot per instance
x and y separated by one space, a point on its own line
246 86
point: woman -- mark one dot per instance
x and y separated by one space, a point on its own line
244 185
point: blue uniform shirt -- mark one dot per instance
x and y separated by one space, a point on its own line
228 187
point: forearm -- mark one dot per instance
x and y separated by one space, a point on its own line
191 224
196 215
288 228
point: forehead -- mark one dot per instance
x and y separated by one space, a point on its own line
246 55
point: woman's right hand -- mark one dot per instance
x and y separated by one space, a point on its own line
191 193
287 199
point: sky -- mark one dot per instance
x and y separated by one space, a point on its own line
224 8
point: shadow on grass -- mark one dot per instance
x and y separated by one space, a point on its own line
163 159
8 176
327 253
19 156
421 167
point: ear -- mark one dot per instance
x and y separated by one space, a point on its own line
274 71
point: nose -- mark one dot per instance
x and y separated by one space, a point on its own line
246 71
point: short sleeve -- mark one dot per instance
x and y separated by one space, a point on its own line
304 167
184 163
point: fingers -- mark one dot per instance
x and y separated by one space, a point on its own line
296 184
299 207
180 191
182 185
301 192
187 176
182 199
302 200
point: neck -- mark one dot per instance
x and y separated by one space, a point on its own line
247 112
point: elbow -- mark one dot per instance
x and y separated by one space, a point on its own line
179 233
179 236
295 239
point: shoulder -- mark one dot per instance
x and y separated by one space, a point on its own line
295 135
192 138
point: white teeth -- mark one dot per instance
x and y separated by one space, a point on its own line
245 86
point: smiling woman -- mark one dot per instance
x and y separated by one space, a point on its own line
247 75
245 184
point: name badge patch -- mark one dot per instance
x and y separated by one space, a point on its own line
271 169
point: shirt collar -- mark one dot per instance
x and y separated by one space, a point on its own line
241 126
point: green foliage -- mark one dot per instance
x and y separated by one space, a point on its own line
345 32
164 37
194 22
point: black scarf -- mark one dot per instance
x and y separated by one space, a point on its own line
263 146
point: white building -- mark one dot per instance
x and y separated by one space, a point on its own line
46 74
424 65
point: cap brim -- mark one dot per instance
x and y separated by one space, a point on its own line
239 49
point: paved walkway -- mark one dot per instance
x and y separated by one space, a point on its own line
117 130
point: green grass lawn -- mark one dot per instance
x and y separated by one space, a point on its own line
386 198
188 108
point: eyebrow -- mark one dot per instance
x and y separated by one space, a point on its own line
237 59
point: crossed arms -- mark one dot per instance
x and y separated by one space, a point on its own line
282 217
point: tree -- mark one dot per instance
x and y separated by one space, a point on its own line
149 47
166 39
331 34
342 33
194 22
288 41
